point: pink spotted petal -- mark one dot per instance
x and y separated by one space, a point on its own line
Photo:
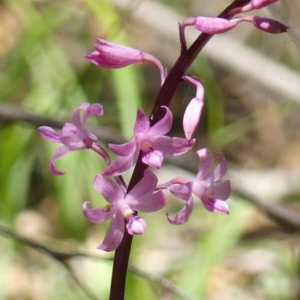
109 189
49 134
96 215
114 234
153 159
183 215
142 123
163 126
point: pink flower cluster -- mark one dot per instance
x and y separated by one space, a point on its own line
150 144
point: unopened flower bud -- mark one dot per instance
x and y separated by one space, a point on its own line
113 56
210 25
110 55
269 25
193 111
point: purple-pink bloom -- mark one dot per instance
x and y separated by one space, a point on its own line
152 143
208 186
122 207
73 135
113 56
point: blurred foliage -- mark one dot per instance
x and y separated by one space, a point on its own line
43 70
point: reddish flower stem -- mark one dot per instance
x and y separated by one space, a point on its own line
164 97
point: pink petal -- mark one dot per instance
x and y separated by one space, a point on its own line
164 125
114 235
109 189
183 215
172 146
145 186
153 159
191 117
206 163
70 136
215 205
151 203
221 190
91 110
57 154
121 165
49 134
181 191
221 168
123 149
97 215
142 198
142 123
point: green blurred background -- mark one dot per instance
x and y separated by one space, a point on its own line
43 71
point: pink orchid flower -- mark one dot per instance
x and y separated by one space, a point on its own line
208 186
73 135
123 206
152 143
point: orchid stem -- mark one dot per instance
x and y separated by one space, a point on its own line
164 97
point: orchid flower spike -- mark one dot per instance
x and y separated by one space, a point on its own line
122 208
151 141
113 56
74 136
194 109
